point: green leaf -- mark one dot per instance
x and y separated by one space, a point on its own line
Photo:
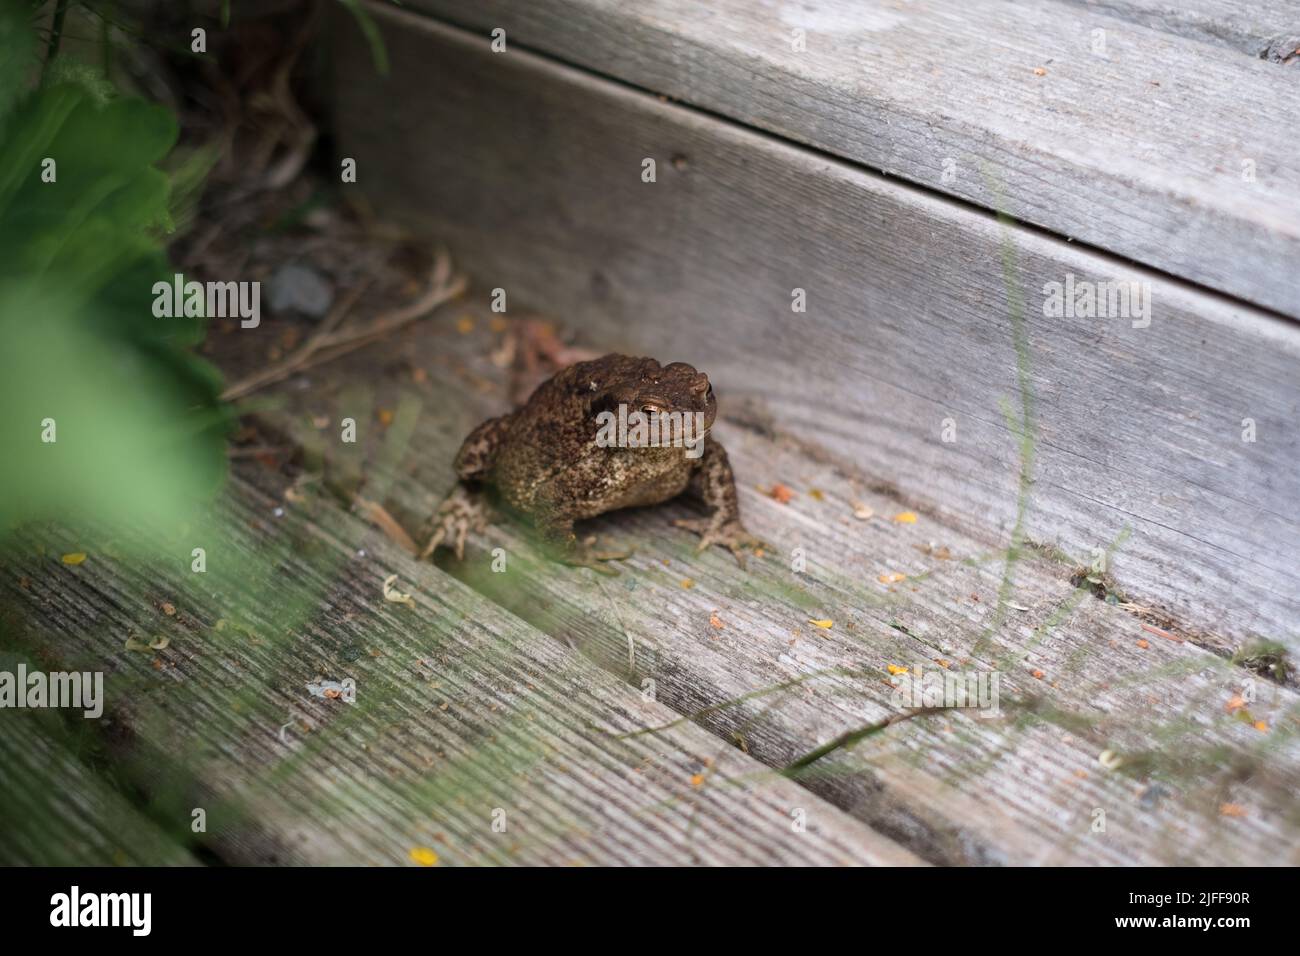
378 52
137 425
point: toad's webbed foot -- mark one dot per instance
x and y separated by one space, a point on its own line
558 538
462 511
581 555
726 534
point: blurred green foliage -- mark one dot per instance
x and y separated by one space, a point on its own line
138 429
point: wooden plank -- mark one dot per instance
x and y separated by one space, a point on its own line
57 811
1079 676
1268 31
533 171
1129 151
464 717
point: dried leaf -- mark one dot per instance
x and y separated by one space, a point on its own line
716 621
331 690
1232 810
392 594
1165 634
378 515
687 583
781 493
893 578
861 511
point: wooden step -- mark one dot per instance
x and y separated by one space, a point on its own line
473 738
736 651
925 315
1159 132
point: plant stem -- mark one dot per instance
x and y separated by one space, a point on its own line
56 33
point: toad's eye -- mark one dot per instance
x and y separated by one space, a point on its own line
709 393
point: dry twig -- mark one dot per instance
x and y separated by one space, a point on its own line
326 344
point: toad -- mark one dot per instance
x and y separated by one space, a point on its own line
615 432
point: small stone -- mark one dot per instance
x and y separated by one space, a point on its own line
299 288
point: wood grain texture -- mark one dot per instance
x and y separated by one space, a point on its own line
55 810
1130 150
736 652
533 171
461 711
1262 30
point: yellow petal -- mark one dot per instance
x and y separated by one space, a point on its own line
896 670
76 557
905 517
826 623
423 856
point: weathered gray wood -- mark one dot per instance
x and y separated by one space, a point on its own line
461 711
533 171
954 788
1139 151
1262 30
56 811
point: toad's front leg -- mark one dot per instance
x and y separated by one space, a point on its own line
560 540
552 514
715 485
